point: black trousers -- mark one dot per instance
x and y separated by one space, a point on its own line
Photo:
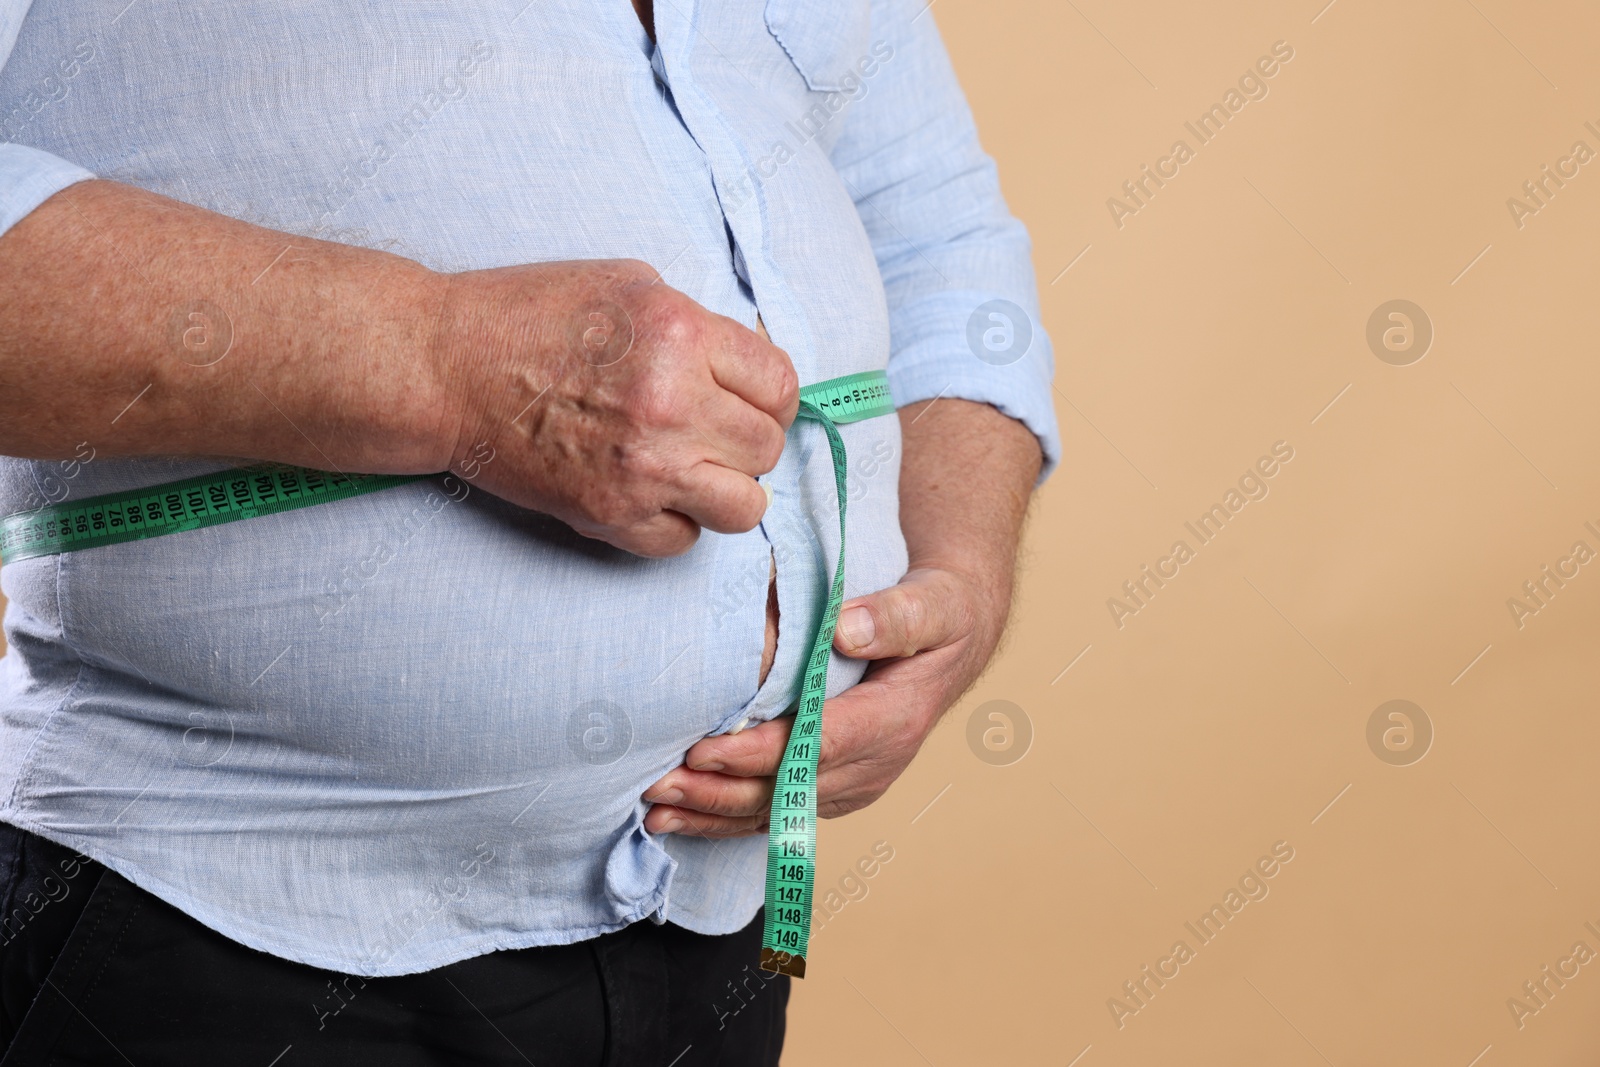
94 970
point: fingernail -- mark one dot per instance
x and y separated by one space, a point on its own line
857 626
666 796
672 825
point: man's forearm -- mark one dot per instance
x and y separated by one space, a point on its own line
966 475
225 338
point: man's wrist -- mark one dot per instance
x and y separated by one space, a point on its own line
438 418
397 411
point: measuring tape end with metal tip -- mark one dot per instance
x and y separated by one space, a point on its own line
780 962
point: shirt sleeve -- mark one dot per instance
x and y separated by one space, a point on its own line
963 304
28 176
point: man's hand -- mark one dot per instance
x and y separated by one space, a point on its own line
930 637
589 390
964 486
612 401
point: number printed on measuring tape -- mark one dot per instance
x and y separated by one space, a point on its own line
208 500
792 833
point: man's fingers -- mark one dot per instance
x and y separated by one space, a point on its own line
873 730
728 430
915 615
756 370
713 794
666 819
750 753
720 499
851 722
666 533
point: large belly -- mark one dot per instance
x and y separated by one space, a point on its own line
411 640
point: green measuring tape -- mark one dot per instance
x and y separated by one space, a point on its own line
208 500
227 496
792 835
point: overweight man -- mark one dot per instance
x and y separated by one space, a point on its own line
477 768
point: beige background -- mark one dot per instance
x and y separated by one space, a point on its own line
1221 318
1231 712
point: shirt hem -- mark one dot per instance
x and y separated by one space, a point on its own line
445 953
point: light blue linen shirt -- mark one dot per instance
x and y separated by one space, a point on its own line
382 735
